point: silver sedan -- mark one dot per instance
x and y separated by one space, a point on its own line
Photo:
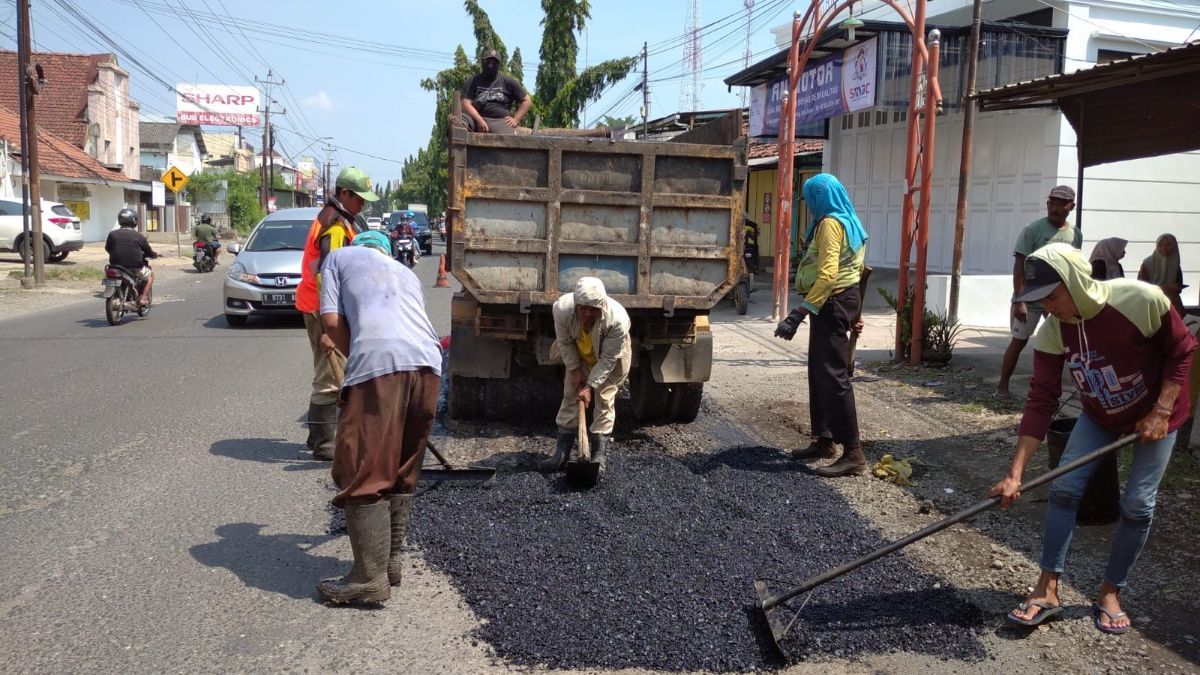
266 272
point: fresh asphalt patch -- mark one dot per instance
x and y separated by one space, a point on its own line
654 568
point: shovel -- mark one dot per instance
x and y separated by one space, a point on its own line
583 472
771 603
447 471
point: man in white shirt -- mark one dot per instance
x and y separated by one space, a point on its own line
373 311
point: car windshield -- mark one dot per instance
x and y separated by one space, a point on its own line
61 210
279 235
420 221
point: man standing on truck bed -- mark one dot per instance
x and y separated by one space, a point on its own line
592 332
487 99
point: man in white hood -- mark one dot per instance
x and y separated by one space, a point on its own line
593 338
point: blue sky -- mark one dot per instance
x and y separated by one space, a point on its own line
371 103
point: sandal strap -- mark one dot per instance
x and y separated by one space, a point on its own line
1112 616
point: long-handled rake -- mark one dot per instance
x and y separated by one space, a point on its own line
773 604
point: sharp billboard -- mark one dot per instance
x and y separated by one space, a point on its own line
217 105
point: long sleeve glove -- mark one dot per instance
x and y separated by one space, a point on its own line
787 328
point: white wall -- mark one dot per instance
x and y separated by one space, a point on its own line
1009 184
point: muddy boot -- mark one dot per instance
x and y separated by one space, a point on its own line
565 440
599 443
852 463
822 448
401 510
322 429
369 527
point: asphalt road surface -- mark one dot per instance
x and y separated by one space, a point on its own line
158 512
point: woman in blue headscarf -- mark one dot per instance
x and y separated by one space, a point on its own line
831 265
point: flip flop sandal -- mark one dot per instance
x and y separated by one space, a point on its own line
1048 611
1112 616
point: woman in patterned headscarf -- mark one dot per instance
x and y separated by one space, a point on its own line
1162 269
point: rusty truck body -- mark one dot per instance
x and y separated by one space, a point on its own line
660 223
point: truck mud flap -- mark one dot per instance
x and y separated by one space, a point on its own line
670 364
475 356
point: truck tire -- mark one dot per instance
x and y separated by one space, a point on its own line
466 398
684 403
741 302
649 397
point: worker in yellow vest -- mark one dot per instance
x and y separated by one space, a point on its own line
332 229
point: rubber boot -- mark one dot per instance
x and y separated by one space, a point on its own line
562 453
599 443
322 430
822 448
401 511
852 463
369 526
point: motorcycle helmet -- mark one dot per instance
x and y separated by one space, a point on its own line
409 214
206 219
127 218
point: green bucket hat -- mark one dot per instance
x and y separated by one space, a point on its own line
357 181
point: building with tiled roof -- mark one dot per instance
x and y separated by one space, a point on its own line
170 144
85 102
92 190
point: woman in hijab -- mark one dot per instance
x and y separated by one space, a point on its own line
1162 269
1129 356
1106 259
830 268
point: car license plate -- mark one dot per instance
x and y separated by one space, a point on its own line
112 282
279 298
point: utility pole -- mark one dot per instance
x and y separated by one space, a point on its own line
31 82
267 173
645 93
964 165
328 170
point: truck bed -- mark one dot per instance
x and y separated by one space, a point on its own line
660 223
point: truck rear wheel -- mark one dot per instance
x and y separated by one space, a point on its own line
649 397
684 403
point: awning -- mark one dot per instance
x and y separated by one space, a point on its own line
1142 106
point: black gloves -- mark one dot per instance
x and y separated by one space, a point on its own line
787 328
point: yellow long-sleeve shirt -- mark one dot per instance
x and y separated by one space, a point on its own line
828 265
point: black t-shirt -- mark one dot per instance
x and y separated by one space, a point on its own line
128 248
493 98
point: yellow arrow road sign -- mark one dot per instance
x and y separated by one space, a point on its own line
174 179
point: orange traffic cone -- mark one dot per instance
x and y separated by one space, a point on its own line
442 280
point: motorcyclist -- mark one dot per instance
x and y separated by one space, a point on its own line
128 249
205 232
406 230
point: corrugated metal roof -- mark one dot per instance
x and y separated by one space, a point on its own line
1141 106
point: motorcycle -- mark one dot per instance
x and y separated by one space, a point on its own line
202 257
405 251
122 289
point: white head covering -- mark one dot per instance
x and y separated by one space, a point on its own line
589 292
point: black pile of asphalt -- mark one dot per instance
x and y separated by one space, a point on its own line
654 568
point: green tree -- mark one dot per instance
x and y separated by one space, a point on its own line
516 66
561 93
241 195
611 122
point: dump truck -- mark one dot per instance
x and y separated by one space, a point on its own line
660 223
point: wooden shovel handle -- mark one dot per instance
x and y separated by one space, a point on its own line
585 452
335 363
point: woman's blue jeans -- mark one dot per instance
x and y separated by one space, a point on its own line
1137 501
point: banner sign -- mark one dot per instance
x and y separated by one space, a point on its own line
217 105
840 83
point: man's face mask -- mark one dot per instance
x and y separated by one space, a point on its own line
491 67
